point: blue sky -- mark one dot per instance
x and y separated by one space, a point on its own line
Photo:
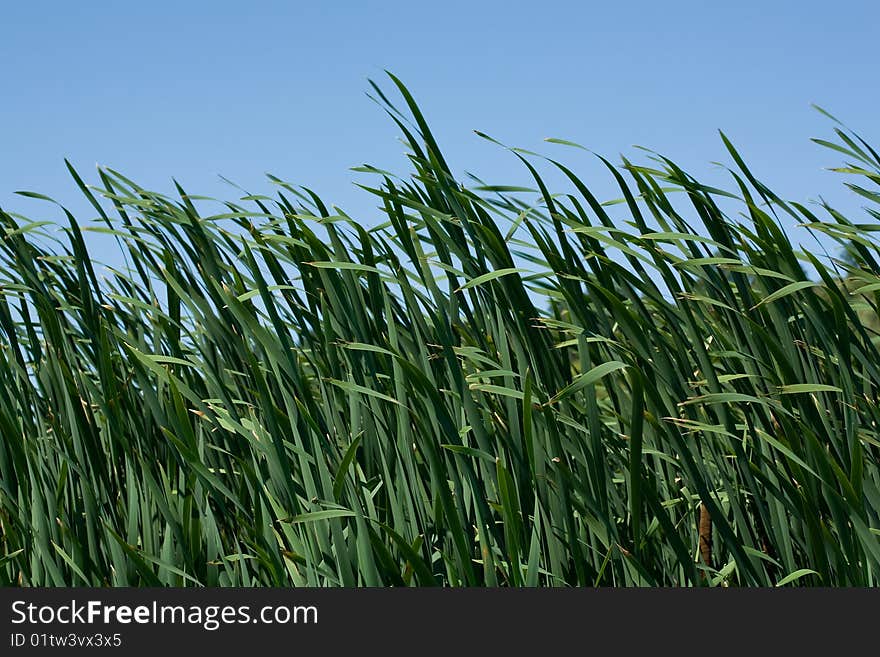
193 89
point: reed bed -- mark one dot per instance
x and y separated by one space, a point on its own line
495 387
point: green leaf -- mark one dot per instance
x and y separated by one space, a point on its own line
315 516
796 575
797 388
586 379
491 276
785 291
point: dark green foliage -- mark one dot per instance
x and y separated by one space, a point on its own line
478 392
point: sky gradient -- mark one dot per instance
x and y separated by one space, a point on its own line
194 90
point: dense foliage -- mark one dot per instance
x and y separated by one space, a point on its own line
484 390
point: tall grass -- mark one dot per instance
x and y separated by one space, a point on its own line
480 391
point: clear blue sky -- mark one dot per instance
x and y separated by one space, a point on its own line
196 89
